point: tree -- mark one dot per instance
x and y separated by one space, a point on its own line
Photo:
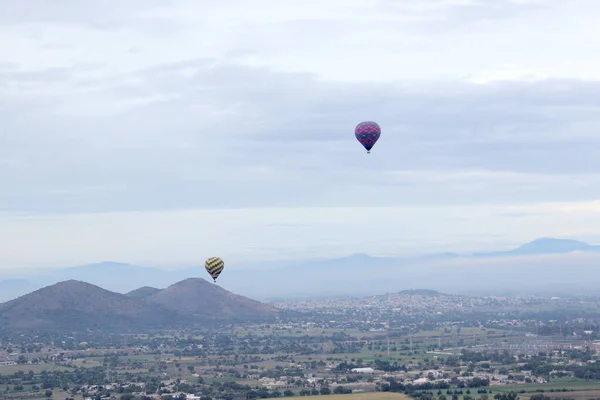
325 390
48 393
288 393
341 390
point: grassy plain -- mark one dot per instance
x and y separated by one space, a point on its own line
57 394
36 368
576 389
546 387
358 396
582 394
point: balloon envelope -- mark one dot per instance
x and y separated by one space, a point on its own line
367 133
214 266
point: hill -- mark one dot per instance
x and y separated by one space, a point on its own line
79 305
196 296
420 292
74 306
143 292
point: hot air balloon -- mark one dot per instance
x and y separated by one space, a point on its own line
367 133
214 266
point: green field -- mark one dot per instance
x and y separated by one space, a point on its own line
57 394
359 396
36 368
583 395
576 389
558 385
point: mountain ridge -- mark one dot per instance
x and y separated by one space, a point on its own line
297 275
195 296
143 292
544 246
76 305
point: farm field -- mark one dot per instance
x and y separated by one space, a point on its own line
578 395
36 368
358 396
428 360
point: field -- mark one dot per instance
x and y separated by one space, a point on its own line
576 385
57 394
280 362
576 389
588 394
36 368
359 396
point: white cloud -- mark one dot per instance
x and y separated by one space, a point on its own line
248 111
347 40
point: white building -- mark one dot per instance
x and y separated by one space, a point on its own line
366 370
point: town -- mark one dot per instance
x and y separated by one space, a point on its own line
421 344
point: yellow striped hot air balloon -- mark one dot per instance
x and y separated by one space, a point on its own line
214 266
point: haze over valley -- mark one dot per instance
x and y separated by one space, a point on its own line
537 267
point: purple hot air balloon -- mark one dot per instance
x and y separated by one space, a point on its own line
367 133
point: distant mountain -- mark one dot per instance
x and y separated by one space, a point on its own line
115 276
420 292
130 276
143 292
74 305
358 274
12 288
551 246
196 296
544 246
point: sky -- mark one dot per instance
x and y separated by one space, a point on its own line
163 132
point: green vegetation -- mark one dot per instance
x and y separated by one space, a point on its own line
481 351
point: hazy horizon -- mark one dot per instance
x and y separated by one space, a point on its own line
547 250
536 268
163 135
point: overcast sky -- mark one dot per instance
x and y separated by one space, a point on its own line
163 133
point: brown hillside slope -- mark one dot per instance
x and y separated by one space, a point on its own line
196 296
78 305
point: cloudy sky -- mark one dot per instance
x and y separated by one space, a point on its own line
165 132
